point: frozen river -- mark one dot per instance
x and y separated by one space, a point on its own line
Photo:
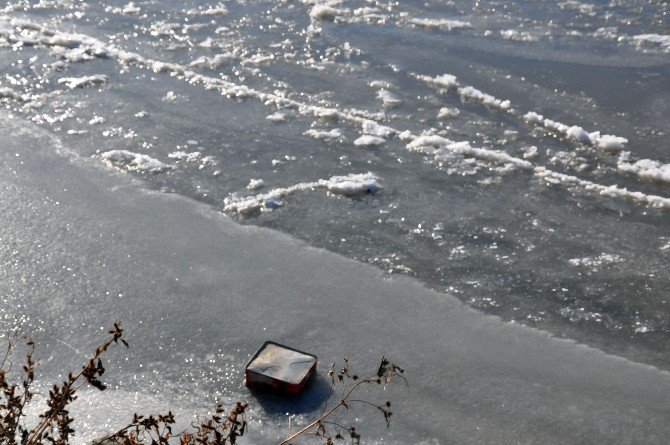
414 179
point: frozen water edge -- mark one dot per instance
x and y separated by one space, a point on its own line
196 280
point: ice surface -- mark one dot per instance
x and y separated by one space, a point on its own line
490 204
190 284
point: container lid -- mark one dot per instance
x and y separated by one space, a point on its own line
282 363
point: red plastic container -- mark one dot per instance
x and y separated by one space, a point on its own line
280 368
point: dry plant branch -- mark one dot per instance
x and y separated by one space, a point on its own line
221 428
350 383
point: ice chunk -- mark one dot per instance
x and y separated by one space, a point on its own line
335 133
660 40
443 81
388 99
646 169
471 93
255 184
349 185
367 140
447 113
134 161
81 82
444 24
323 13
